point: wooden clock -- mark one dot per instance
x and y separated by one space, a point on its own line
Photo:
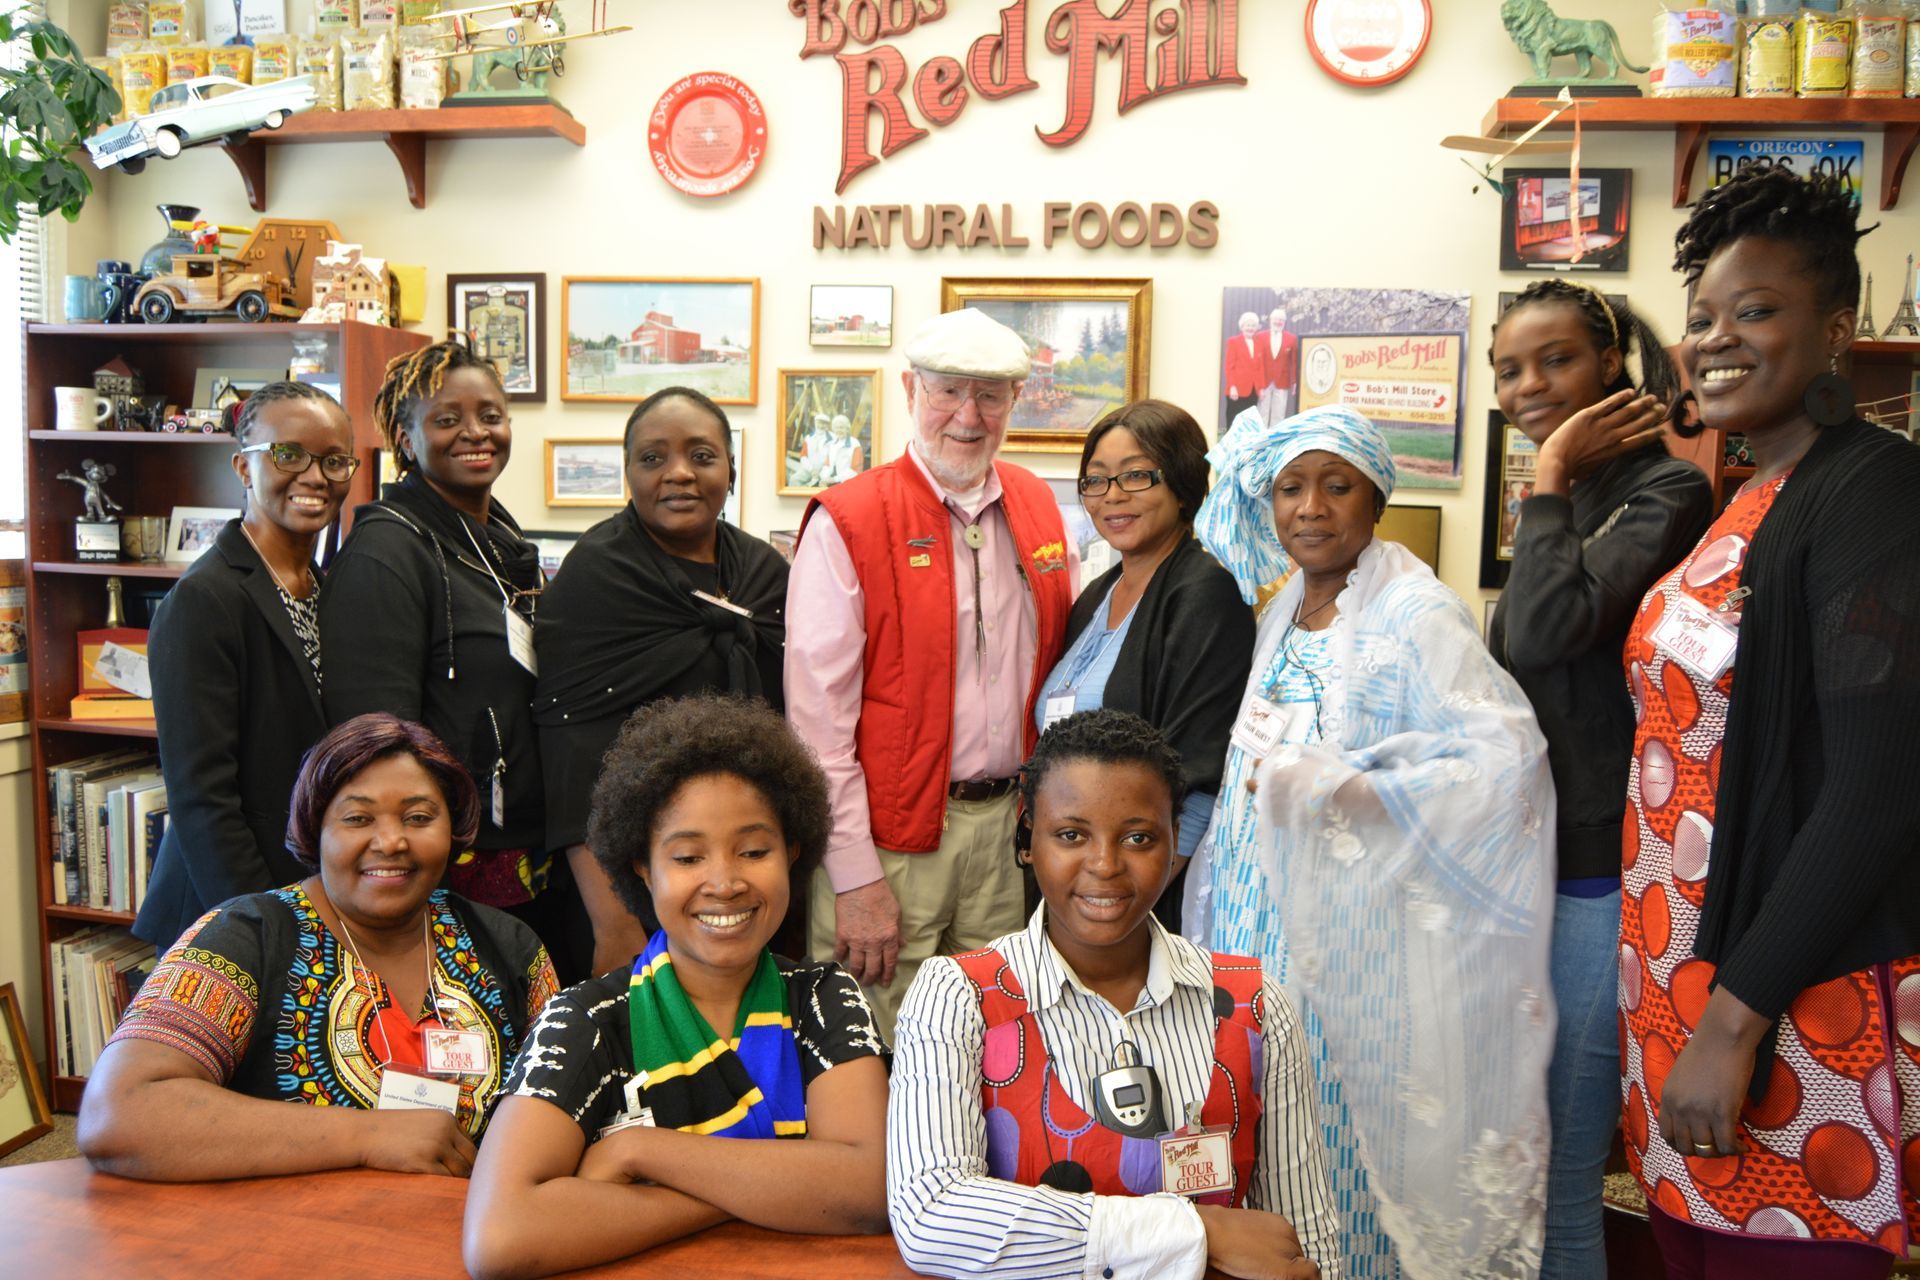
1368 42
286 247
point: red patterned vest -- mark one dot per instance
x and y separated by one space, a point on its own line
897 531
1036 1134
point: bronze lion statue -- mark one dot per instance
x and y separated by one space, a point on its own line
1543 36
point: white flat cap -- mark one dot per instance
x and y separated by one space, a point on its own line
969 344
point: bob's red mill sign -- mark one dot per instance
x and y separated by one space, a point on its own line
1191 44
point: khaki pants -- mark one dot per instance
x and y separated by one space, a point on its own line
958 898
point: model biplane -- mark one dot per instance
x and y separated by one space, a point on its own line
525 35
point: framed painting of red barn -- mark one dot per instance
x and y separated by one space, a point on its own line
629 336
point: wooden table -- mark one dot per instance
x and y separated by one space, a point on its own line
62 1219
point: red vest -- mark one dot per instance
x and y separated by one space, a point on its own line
897 531
1034 1126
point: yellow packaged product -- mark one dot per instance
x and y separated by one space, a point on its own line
126 25
1913 59
273 58
235 61
143 73
379 13
1693 53
185 62
335 17
110 68
1822 54
172 22
423 77
366 70
1879 45
415 12
319 57
1766 57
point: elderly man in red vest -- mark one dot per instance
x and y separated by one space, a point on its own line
928 600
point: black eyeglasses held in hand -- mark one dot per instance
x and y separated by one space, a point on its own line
294 460
1129 482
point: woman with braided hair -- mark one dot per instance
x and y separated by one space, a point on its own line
1611 510
430 606
236 664
1770 949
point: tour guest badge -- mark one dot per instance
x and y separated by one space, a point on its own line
635 1113
456 1053
1696 639
405 1091
1197 1161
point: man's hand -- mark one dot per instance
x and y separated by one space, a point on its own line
866 933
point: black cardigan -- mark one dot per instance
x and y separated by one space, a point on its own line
1184 664
1814 870
236 706
1581 563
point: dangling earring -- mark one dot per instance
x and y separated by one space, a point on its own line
1683 415
1829 397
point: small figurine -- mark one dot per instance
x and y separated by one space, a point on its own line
1906 320
1543 36
1864 331
350 286
93 479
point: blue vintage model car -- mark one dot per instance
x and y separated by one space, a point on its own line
204 109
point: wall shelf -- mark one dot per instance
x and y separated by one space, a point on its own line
1897 120
113 568
406 134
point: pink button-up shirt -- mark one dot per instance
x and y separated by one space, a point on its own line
826 652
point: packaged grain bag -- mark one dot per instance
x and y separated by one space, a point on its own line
1879 49
423 77
335 17
273 58
379 13
143 73
185 62
126 25
1693 52
319 57
235 61
415 12
366 70
1822 54
1766 57
1913 56
172 22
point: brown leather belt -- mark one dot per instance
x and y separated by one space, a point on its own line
982 788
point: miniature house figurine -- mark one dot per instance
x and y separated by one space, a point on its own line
350 286
118 378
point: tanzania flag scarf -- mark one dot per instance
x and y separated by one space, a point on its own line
699 1083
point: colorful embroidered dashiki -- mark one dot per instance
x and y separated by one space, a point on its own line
1834 1143
262 997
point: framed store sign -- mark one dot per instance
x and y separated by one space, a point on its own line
504 320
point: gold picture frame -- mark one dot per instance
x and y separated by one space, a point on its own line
808 462
577 474
707 328
1066 393
25 1113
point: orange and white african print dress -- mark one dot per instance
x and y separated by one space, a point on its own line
1834 1145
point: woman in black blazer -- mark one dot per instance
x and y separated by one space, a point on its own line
235 659
1164 633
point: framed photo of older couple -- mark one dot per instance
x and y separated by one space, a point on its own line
829 428
1089 342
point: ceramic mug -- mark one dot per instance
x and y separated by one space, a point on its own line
84 302
80 409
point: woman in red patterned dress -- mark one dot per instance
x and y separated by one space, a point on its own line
1770 946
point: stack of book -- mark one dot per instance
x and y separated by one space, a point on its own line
108 813
95 974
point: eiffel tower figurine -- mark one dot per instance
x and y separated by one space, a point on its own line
1906 321
1864 331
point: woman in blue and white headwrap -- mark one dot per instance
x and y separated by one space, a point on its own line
1384 844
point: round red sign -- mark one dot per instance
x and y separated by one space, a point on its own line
707 134
1368 42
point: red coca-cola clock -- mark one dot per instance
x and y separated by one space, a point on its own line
707 134
1368 42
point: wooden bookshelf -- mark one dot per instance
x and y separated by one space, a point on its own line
406 134
1896 120
155 472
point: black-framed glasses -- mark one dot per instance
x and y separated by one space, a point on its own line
294 460
1129 482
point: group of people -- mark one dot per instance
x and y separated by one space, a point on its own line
1149 930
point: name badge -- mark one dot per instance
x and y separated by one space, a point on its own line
405 1091
498 802
520 639
1059 707
1196 1164
1696 639
634 1114
718 602
457 1053
1262 727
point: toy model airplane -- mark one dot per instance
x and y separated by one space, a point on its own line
532 24
1525 145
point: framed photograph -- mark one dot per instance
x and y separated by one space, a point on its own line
553 545
191 530
1415 528
504 318
585 472
851 315
1510 462
1089 340
629 336
784 541
24 1111
829 427
1544 226
1395 355
220 388
1486 619
1096 557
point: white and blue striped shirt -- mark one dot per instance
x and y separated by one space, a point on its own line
951 1218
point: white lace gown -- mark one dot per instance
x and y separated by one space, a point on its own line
1396 874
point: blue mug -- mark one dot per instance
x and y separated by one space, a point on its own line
84 301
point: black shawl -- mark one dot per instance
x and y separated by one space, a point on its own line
1186 658
454 537
620 625
1814 873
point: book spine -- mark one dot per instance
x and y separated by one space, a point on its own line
69 851
57 885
